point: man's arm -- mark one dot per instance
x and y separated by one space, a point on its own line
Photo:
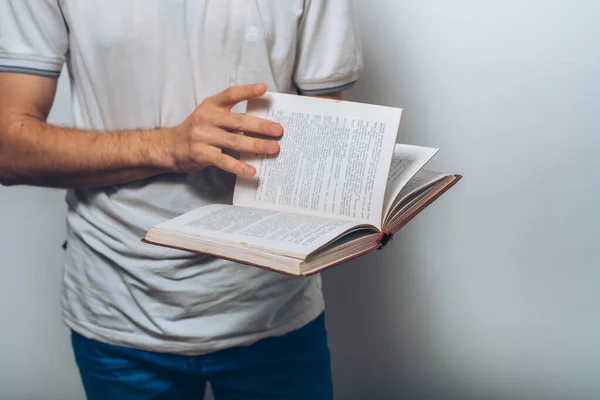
34 152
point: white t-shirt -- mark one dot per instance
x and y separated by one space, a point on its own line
140 64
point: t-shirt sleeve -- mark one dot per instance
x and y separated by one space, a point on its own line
329 57
33 37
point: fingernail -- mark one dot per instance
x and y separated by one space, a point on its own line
275 129
248 170
271 147
259 89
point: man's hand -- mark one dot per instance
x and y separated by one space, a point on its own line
198 142
33 152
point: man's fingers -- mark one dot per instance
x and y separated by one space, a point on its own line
230 164
241 143
210 125
236 94
249 124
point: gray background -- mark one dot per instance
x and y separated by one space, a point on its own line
493 293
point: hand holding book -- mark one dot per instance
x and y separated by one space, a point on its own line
338 189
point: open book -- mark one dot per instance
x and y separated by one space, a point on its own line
339 188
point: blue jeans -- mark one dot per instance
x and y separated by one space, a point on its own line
292 366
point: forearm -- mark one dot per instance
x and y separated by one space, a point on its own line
33 152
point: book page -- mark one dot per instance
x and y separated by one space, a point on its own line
426 186
406 162
421 180
334 158
290 234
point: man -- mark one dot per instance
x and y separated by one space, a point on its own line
155 130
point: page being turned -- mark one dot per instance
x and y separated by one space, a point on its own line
406 162
334 158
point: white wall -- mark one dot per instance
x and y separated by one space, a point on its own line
492 293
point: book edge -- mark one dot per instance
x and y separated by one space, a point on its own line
145 240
